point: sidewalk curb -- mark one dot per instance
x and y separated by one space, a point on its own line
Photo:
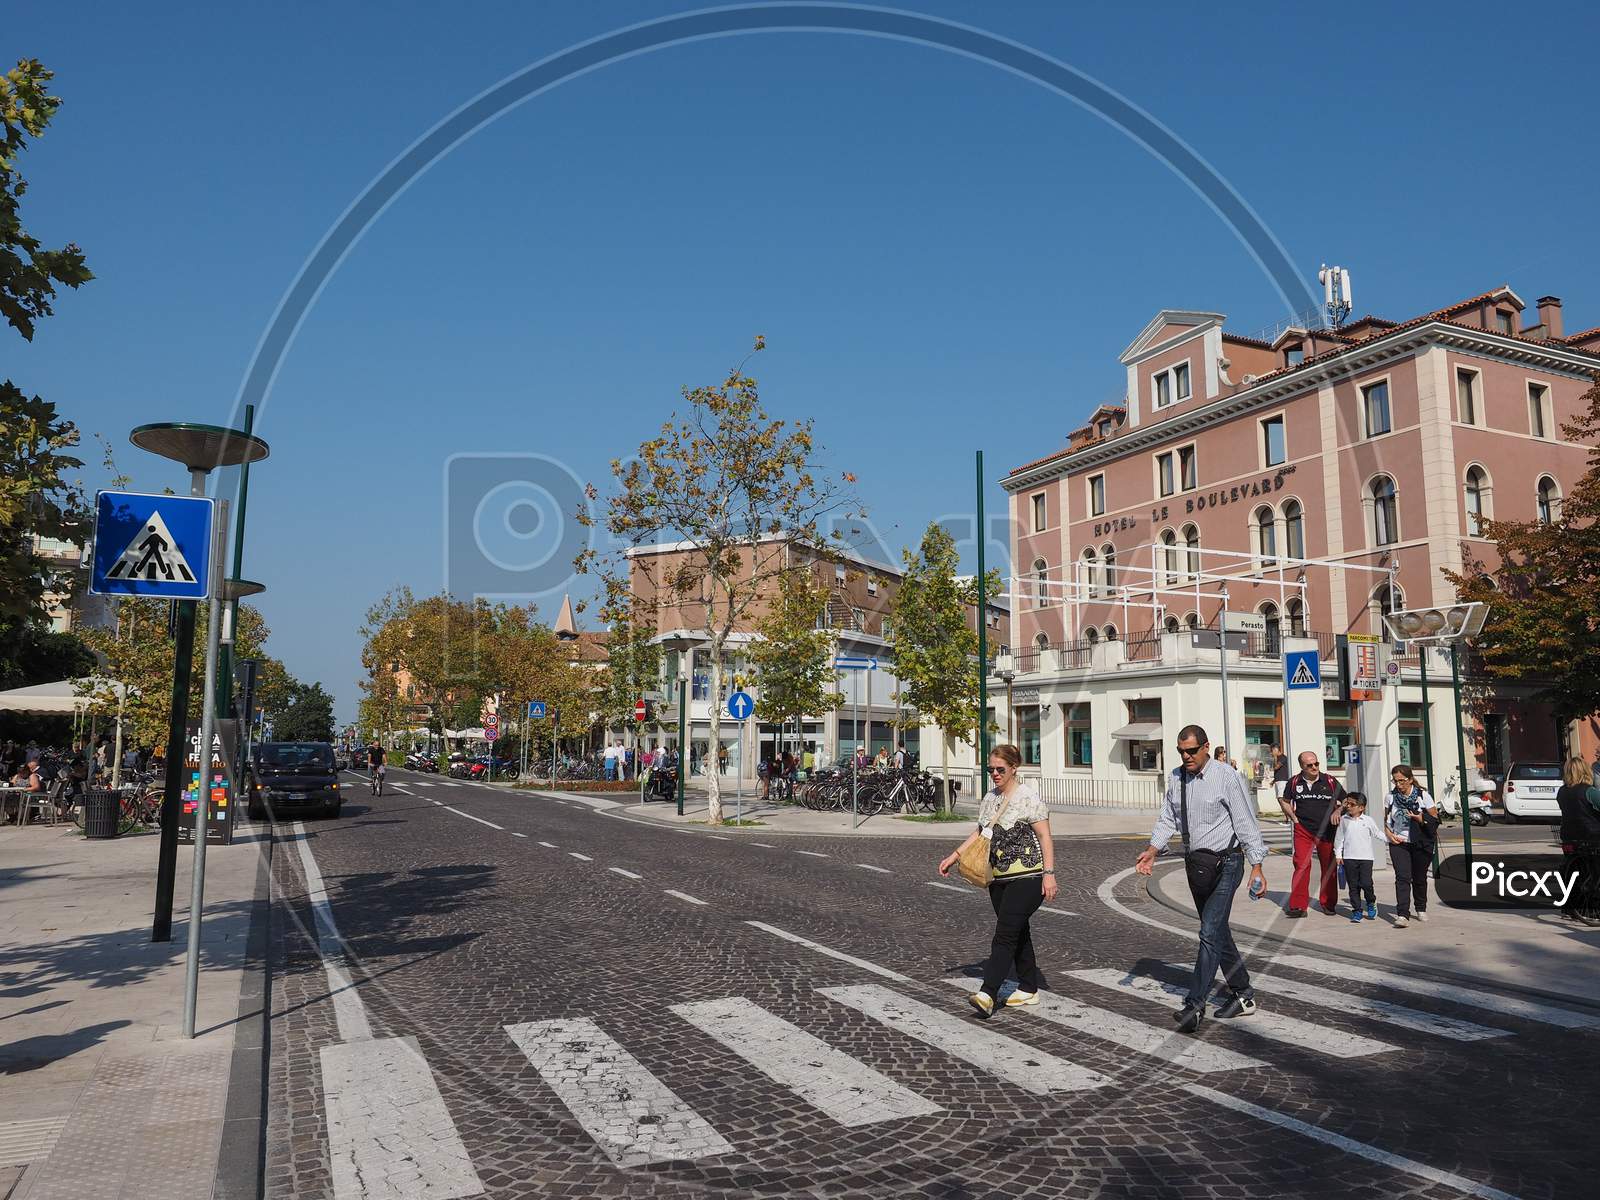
1372 960
242 1158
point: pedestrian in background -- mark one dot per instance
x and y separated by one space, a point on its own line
1407 814
1280 772
1579 799
1312 801
1207 803
1355 847
1022 855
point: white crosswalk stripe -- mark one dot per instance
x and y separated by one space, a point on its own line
1165 1044
1032 1070
1379 1010
1318 1039
848 1091
632 1116
1514 1006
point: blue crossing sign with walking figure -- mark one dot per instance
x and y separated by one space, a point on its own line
535 710
1302 669
151 545
740 706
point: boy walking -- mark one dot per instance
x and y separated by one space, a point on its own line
1355 845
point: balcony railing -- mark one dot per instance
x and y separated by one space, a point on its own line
1087 793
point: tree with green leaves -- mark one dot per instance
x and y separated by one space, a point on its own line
792 656
309 717
1544 592
633 667
935 649
439 644
743 496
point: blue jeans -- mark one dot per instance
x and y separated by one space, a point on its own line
1216 938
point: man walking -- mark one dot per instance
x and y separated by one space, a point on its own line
1206 801
1313 802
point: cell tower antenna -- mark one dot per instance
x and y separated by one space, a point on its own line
1335 283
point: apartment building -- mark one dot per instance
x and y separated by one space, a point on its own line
1308 482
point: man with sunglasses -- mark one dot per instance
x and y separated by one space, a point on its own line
1206 801
1313 802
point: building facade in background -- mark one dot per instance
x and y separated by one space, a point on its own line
1319 477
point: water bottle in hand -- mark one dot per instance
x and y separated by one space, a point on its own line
1341 877
1258 888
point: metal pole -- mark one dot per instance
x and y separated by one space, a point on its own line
1222 655
1461 752
983 638
552 749
738 817
116 767
202 808
855 759
177 759
869 673
225 671
683 736
1427 753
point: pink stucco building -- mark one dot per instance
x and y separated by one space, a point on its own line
1378 445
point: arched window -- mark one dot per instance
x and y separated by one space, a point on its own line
1172 625
1294 529
1041 641
1169 556
1386 600
1191 539
1091 635
1091 572
1108 559
1548 505
1385 512
1477 492
1297 618
1041 591
1192 620
1110 632
1266 536
1274 634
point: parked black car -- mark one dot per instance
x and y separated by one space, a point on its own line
293 779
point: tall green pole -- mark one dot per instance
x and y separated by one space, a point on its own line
683 736
1427 751
1461 751
225 655
983 643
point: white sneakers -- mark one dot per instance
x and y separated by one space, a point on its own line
1421 916
983 1003
1019 998
1400 922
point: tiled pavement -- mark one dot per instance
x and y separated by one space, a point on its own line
571 1025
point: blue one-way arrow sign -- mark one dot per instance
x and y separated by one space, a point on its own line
740 706
855 662
150 545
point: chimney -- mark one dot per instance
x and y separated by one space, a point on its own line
1550 316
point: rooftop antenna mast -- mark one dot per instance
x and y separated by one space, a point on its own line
1335 283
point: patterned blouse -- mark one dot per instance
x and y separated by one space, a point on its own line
1015 852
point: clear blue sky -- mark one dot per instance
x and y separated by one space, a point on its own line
942 256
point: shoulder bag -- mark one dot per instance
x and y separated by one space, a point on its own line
1203 867
973 862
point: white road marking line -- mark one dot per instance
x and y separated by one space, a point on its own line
811 854
715 837
1395 1014
848 1091
575 854
470 817
684 896
632 1116
949 887
1319 1039
389 1132
1516 1006
437 803
879 870
629 874
1032 1070
763 845
1350 1145
829 951
514 833
550 845
1166 1044
348 1010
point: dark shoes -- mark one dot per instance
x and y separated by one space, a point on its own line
1236 1006
1189 1018
1294 912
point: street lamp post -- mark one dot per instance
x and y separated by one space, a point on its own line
202 449
683 735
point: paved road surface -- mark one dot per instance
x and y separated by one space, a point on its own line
478 992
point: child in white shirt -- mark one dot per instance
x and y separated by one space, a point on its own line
1355 845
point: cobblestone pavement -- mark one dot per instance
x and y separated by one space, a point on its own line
563 1002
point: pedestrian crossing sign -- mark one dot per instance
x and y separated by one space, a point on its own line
152 545
1301 669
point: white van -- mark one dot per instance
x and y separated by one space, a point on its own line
1530 791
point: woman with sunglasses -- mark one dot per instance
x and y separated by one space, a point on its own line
1023 857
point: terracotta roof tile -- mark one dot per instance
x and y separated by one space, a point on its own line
1583 335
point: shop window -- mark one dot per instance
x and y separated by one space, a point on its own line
1080 746
1340 732
1028 727
1411 740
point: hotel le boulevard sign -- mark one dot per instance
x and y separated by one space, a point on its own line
1253 490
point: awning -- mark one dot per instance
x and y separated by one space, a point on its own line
1139 731
65 696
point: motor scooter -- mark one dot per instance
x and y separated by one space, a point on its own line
1479 801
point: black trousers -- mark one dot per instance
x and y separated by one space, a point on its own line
1358 877
1014 902
1411 863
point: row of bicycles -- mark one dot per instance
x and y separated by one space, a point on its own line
876 791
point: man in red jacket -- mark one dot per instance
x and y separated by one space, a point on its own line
1313 803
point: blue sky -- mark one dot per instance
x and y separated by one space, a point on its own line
942 256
